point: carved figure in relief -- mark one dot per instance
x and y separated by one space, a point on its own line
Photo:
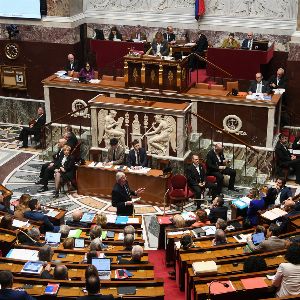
109 128
161 135
136 125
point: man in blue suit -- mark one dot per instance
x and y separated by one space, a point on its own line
6 291
137 155
247 43
36 214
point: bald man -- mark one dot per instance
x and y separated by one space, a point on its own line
259 85
76 217
217 166
248 41
72 65
289 207
278 81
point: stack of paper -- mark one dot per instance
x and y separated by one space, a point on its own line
133 221
23 254
20 224
75 233
188 216
274 214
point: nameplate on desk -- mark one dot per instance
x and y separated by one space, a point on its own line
258 96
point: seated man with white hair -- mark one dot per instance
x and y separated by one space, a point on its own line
136 256
122 195
64 230
76 217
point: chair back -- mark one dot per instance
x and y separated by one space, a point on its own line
178 182
232 85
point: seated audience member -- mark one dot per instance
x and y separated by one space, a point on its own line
101 220
178 221
201 218
90 255
129 229
22 206
95 232
36 214
31 237
138 35
137 155
99 35
115 153
196 179
217 166
259 85
255 205
70 137
65 173
115 34
7 292
230 42
96 244
287 277
186 242
6 222
87 72
136 255
69 243
248 41
64 230
220 238
159 46
288 206
76 217
169 36
47 170
221 224
35 128
217 210
278 194
4 207
91 270
92 285
72 65
128 242
272 243
278 81
45 253
285 159
254 263
60 273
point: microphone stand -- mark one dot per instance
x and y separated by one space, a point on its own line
165 199
225 284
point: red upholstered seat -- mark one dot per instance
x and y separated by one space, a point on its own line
178 190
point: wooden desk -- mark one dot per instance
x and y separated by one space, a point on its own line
99 182
154 73
6 195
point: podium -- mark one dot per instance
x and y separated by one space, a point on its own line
154 73
241 64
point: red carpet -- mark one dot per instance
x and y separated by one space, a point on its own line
172 291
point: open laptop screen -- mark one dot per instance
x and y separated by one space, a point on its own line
52 237
102 264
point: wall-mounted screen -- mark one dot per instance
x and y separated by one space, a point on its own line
29 9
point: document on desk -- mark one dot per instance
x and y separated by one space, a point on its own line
139 170
111 218
20 224
209 230
274 214
23 254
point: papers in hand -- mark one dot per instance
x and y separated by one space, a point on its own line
274 214
135 199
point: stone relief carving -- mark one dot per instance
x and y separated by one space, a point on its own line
160 136
109 128
286 9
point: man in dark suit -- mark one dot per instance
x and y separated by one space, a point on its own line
280 191
70 136
137 156
169 36
159 46
72 65
116 153
121 195
196 179
199 48
289 207
217 166
35 127
285 159
218 210
92 285
36 214
47 170
248 42
7 292
259 85
278 81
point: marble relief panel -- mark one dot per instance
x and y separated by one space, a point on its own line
294 54
58 8
215 38
44 34
273 9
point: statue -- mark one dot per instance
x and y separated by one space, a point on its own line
160 137
110 128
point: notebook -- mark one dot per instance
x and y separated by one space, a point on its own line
51 289
254 283
103 267
88 217
52 238
221 287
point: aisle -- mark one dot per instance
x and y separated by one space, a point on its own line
172 292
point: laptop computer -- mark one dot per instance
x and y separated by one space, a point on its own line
52 238
88 217
260 45
257 238
103 267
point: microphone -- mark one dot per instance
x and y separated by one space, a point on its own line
225 284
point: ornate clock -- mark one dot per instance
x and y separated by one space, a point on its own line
12 50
